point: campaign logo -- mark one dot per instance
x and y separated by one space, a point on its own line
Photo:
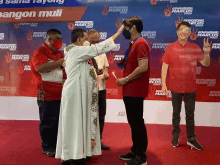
160 45
16 25
154 2
121 9
105 9
103 35
160 93
196 22
21 68
184 10
112 91
110 57
8 58
118 22
214 93
11 47
118 46
210 34
29 24
177 22
30 35
119 57
11 90
40 35
2 79
193 35
71 26
22 57
208 82
198 70
216 46
149 34
167 11
87 24
27 67
2 36
155 81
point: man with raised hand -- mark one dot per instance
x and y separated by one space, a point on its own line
78 134
181 58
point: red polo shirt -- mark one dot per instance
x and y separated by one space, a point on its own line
53 87
182 60
137 87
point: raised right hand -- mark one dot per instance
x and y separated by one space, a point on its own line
120 29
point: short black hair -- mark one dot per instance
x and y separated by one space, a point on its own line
77 33
183 23
137 21
53 32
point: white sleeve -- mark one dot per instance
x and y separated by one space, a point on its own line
86 52
106 64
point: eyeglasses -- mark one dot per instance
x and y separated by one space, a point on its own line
184 30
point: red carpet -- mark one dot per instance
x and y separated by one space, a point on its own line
20 145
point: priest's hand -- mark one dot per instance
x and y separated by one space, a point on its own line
99 71
93 143
121 81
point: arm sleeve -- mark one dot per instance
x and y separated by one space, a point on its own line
166 56
142 50
38 59
106 64
86 52
199 53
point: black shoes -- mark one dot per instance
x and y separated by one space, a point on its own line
127 156
137 161
104 147
133 159
175 140
73 162
194 144
49 153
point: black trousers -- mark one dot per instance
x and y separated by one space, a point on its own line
102 110
49 119
189 100
134 108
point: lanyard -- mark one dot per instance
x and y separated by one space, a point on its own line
122 64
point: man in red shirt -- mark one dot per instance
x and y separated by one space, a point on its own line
135 88
181 57
46 65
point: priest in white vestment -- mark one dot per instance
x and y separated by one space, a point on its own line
78 132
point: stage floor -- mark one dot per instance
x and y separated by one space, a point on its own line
20 145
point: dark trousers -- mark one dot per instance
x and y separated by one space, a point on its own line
189 100
49 119
134 108
102 110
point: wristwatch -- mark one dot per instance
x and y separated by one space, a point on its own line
126 79
163 84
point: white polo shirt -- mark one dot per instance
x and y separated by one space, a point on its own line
102 63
